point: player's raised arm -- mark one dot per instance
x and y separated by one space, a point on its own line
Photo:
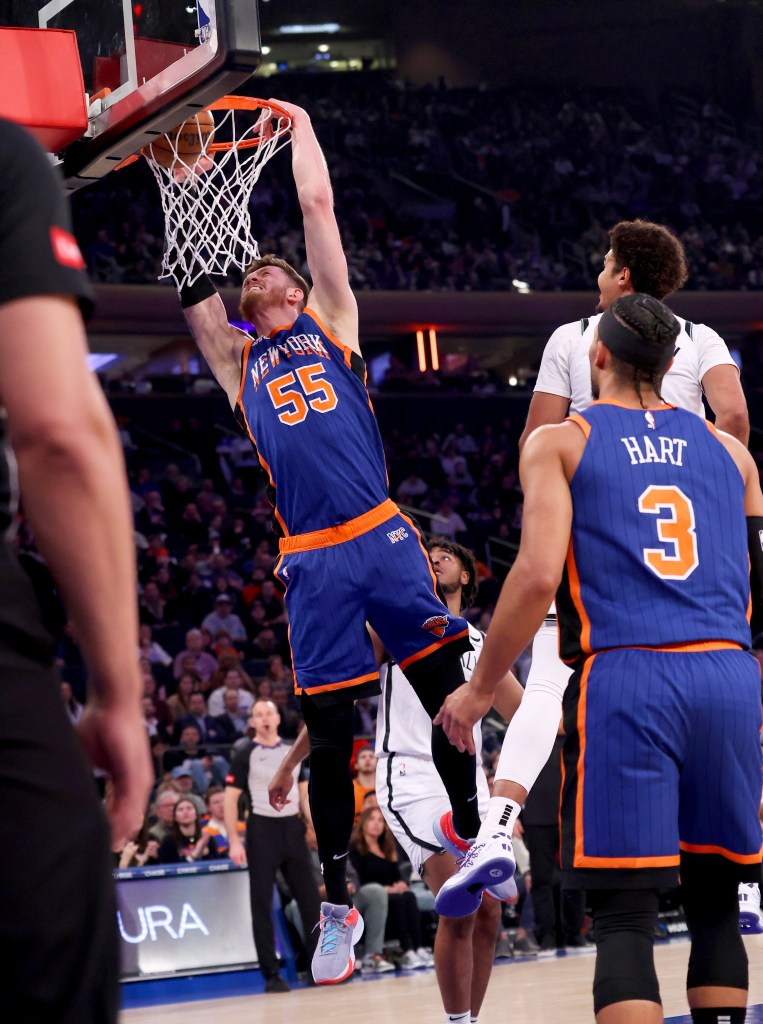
331 296
219 342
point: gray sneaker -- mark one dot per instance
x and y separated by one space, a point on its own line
334 957
375 963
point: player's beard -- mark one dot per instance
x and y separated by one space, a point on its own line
449 588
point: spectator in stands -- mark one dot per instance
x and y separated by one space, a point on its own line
291 719
167 795
215 823
233 721
446 522
234 678
411 489
374 857
183 777
210 730
149 649
365 775
204 663
224 619
74 709
154 610
178 703
139 851
194 601
186 841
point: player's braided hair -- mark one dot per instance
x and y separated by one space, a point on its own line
655 323
654 256
467 560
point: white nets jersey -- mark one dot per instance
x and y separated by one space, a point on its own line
565 370
402 724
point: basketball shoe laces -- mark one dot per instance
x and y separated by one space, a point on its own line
331 933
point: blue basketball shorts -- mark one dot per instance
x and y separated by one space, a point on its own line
662 757
382 576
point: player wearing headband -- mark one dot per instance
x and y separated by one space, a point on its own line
635 511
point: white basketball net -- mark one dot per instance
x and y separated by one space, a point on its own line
205 197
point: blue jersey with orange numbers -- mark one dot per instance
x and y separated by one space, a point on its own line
304 405
658 551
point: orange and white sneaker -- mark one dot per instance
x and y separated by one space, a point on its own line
448 838
334 958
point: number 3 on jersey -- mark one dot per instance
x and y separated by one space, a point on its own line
675 529
284 395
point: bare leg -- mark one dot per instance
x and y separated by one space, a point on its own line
631 1011
453 944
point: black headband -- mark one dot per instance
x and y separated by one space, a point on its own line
632 347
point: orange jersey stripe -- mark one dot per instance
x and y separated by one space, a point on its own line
263 463
577 599
432 647
579 853
339 534
584 425
738 858
343 685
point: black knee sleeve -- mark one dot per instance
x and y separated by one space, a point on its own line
709 895
624 924
433 678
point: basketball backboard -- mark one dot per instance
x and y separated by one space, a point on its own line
147 66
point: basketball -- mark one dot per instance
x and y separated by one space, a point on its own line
186 142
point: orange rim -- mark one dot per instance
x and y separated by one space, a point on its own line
249 103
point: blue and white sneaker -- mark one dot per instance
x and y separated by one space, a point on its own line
334 957
750 917
487 865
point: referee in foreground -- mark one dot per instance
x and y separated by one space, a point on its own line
274 839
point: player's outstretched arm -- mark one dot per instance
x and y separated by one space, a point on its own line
331 296
220 343
532 582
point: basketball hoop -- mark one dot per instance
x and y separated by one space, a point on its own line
206 178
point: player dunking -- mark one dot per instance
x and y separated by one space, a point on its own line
643 257
347 554
639 510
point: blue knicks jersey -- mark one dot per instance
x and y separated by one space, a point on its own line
304 405
658 551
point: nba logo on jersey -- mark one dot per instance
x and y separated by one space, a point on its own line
403 769
650 420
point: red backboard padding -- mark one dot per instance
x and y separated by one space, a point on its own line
41 84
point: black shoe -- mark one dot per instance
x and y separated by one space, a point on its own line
277 984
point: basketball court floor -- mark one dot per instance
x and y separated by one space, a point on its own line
553 991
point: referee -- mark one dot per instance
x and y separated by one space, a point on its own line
274 839
59 953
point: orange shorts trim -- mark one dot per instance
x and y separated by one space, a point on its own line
738 858
627 862
333 535
370 678
432 647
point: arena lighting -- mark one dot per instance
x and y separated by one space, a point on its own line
434 351
328 28
522 286
265 50
513 381
422 352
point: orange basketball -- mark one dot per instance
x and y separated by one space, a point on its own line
187 141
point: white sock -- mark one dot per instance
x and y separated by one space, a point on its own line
473 1020
458 1018
500 817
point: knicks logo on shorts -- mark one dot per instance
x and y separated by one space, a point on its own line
396 535
437 624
